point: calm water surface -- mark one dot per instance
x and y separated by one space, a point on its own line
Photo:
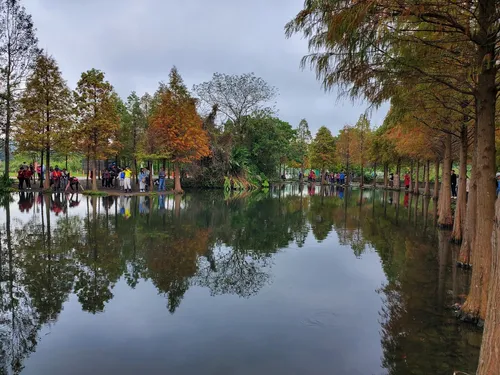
283 282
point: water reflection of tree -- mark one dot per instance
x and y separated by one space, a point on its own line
19 321
415 324
245 236
99 262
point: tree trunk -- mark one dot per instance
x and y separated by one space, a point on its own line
464 258
135 171
411 176
362 181
397 181
416 189
88 172
322 176
66 162
459 220
475 306
435 193
375 175
489 357
94 177
41 169
8 120
301 179
386 177
177 179
46 183
445 215
427 190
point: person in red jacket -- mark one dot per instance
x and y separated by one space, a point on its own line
20 177
407 181
28 173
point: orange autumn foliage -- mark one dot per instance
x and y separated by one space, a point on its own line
178 129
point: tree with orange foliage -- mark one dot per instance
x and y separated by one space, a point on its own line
177 127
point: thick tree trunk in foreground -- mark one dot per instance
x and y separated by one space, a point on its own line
416 189
445 216
427 190
489 358
177 179
477 300
464 258
94 177
435 194
459 220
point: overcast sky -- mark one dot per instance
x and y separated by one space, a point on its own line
136 42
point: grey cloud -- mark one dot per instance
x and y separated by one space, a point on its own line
136 43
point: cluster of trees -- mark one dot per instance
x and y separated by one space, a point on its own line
438 64
227 127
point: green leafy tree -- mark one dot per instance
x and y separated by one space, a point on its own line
323 151
304 138
98 119
362 141
132 129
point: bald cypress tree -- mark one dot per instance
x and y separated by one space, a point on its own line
45 116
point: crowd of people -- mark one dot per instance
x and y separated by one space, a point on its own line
116 177
60 179
338 178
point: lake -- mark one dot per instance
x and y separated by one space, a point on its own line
289 281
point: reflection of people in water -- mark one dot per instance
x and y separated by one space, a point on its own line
161 202
126 208
26 201
312 189
142 206
73 202
56 204
340 192
107 202
122 205
407 195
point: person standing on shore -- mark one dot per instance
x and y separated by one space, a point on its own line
126 181
27 177
453 184
20 177
121 178
161 180
142 180
407 181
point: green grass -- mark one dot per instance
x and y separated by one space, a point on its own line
95 193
